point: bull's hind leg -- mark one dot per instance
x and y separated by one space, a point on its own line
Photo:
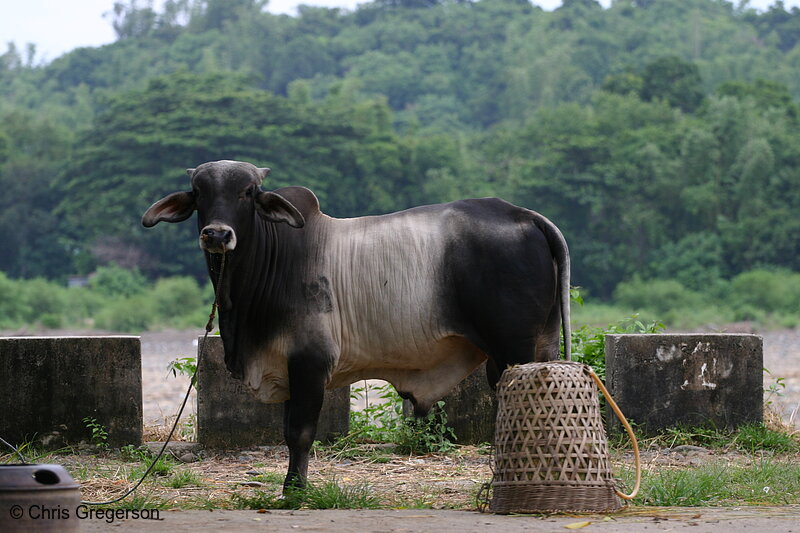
307 376
508 351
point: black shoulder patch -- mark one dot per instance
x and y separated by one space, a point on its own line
317 294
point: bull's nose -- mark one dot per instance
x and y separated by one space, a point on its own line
220 235
217 238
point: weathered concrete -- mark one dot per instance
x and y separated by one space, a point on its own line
662 381
230 416
636 520
471 409
50 384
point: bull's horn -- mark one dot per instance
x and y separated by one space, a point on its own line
263 173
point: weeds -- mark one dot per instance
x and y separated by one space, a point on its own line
328 495
751 438
183 478
766 481
162 467
140 501
383 421
32 452
99 434
261 500
332 495
684 488
185 366
588 343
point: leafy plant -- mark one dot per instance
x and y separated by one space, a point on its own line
775 388
430 434
185 366
588 343
99 434
383 421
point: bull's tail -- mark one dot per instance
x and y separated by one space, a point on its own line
560 251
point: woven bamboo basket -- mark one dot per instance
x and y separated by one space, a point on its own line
551 452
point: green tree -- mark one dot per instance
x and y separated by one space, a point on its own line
673 80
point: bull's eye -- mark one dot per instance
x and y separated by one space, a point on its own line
248 193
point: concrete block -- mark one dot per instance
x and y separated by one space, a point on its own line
230 416
661 381
48 385
471 409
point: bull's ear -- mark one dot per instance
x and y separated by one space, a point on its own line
276 208
176 207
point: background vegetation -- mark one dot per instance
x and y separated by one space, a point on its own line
661 136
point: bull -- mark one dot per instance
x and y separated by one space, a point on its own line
419 298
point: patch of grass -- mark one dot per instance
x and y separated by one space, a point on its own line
32 452
756 437
332 495
260 499
140 501
751 438
269 478
132 453
183 478
203 502
767 481
163 467
684 488
327 495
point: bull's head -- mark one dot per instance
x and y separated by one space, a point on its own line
226 196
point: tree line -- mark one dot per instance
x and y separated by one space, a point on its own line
659 135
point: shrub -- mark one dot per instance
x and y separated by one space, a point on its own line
765 291
42 299
128 315
659 296
116 281
588 343
384 421
14 307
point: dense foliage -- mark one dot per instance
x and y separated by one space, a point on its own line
661 136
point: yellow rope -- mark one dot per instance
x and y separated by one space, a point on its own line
628 428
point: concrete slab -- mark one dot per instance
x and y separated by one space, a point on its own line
698 520
50 384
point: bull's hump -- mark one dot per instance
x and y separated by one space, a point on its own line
303 199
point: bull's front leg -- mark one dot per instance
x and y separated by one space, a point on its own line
308 374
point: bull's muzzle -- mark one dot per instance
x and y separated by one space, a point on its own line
217 238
